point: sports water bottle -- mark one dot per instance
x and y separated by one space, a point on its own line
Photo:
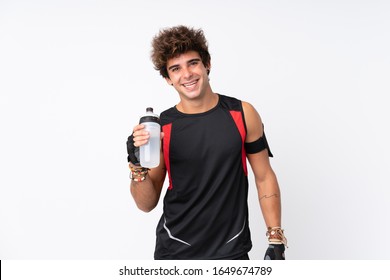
150 152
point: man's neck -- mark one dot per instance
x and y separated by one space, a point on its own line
198 106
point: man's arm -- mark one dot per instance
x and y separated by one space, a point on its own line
265 178
147 193
266 183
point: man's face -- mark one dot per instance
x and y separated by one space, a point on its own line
188 75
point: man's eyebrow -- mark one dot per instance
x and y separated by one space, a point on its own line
189 61
194 60
173 66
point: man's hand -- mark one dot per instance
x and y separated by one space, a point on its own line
132 151
275 252
138 138
276 240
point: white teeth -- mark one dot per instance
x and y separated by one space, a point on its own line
190 84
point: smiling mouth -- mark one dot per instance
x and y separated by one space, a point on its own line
190 84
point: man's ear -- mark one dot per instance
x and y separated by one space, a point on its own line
208 67
169 81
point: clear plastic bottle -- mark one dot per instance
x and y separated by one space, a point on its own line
150 152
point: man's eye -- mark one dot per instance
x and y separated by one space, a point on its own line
194 63
174 69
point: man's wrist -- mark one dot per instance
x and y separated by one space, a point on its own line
276 236
138 173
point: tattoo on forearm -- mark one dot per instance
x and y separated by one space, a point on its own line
269 196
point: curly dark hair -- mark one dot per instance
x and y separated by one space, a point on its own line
171 42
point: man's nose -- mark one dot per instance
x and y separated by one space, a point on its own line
187 73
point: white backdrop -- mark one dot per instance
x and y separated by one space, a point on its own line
76 75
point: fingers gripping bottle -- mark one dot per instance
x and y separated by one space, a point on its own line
150 152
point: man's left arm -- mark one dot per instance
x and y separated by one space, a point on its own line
265 178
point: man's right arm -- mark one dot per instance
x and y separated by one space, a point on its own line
146 193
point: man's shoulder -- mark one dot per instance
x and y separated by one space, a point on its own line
168 111
168 116
230 103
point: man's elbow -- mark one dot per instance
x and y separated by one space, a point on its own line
145 208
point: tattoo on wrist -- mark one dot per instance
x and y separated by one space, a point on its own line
269 196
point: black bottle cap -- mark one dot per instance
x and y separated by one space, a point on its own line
149 118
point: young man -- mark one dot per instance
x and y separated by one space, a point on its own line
206 141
